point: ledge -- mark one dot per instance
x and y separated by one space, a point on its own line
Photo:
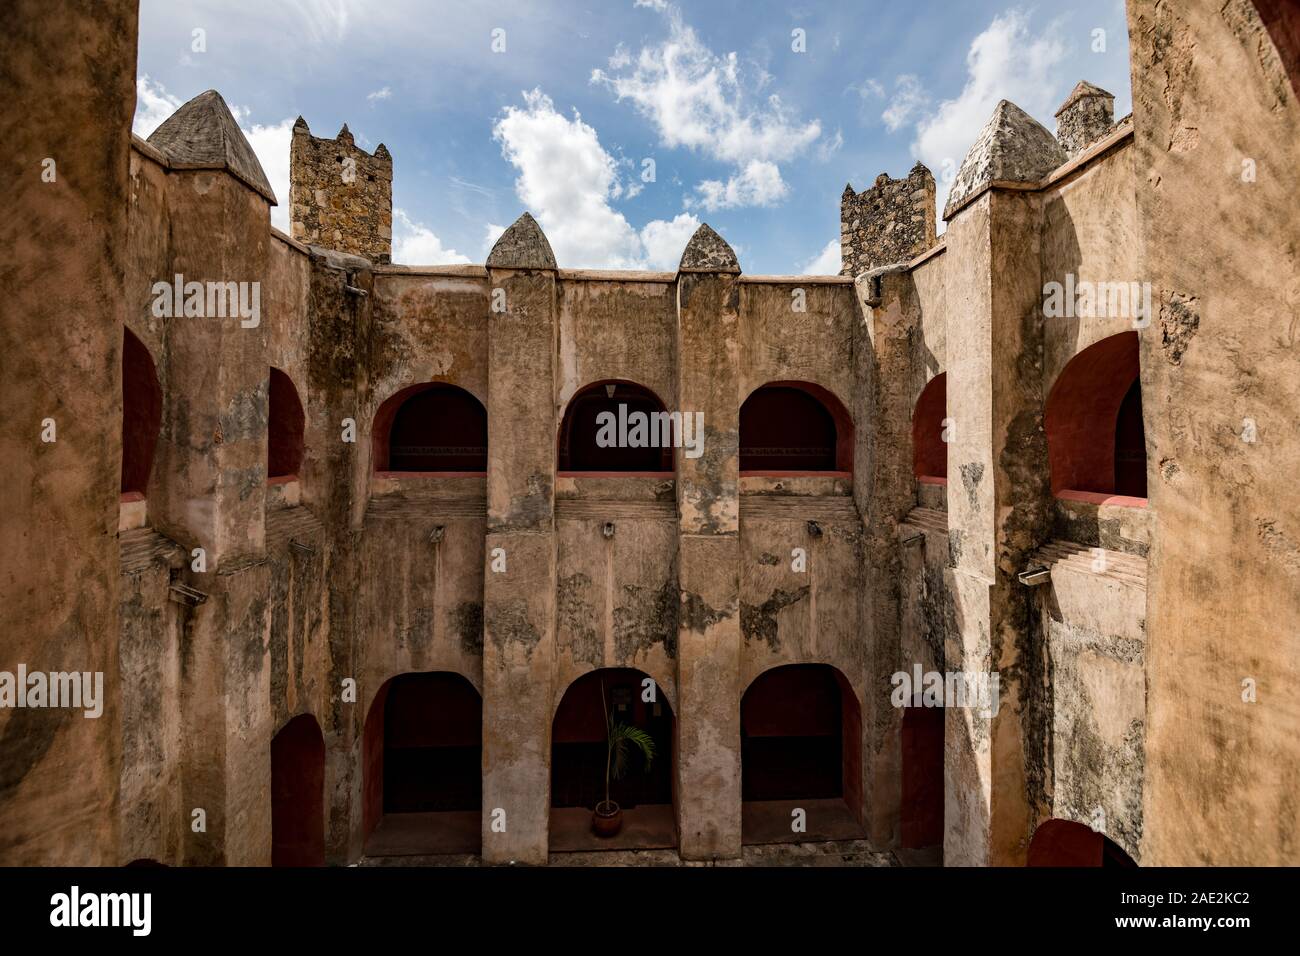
454 271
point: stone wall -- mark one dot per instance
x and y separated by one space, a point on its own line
1223 589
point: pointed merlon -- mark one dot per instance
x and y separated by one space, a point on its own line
522 246
203 134
848 192
1012 147
300 125
381 152
345 135
1083 90
708 252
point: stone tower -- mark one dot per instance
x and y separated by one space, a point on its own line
1087 115
891 222
340 196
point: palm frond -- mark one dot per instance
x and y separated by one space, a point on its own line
620 735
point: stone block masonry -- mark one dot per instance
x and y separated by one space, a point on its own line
891 222
340 196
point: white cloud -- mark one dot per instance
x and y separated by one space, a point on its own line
825 263
665 241
383 94
699 100
909 98
1006 61
415 244
758 184
492 233
567 180
153 104
271 143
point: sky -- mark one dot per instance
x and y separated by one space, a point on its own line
623 124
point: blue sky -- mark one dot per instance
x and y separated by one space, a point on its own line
745 131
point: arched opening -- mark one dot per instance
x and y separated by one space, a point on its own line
1065 843
795 428
284 429
141 415
431 428
801 756
578 762
617 427
921 812
422 766
1131 445
1095 442
929 449
1282 20
298 794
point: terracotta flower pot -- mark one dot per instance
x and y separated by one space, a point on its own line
607 820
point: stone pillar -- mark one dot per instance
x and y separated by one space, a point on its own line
998 488
67 116
997 514
884 491
519 588
338 322
211 472
1219 396
708 497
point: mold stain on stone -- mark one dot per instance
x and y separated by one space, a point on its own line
577 616
758 621
649 617
467 624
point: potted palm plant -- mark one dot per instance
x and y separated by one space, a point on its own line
620 739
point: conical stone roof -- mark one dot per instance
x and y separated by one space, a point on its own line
522 246
1012 147
708 252
203 134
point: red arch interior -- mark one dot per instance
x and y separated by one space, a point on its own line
284 428
795 428
141 414
431 428
578 747
929 450
799 729
578 451
921 813
1066 843
298 794
1087 413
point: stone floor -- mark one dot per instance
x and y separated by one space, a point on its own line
830 853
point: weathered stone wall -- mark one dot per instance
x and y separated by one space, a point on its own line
61 338
1089 239
1223 588
340 196
890 222
1093 619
